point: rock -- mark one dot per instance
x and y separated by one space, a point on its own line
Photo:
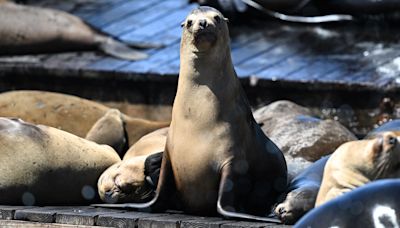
292 128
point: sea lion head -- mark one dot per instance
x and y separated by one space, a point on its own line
125 182
385 155
204 28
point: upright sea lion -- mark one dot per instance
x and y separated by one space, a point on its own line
356 163
69 113
216 157
376 204
33 30
45 166
134 179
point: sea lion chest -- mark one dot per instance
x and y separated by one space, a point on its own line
201 140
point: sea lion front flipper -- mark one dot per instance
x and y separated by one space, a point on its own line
110 130
163 195
152 167
226 205
120 50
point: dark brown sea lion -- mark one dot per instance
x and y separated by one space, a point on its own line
217 157
33 30
69 113
41 165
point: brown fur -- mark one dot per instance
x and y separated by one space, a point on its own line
69 113
52 165
356 163
126 180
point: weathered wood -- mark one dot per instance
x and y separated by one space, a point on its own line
40 214
246 224
169 221
127 219
204 222
82 216
24 224
7 212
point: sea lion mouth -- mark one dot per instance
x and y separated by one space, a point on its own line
204 36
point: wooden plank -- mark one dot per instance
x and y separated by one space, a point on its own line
155 60
204 222
25 224
127 219
7 212
40 214
245 224
82 216
160 26
119 11
170 221
136 20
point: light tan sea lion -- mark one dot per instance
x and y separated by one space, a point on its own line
42 165
134 179
356 163
217 157
33 30
69 113
110 130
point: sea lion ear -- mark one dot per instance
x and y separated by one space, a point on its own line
226 20
182 24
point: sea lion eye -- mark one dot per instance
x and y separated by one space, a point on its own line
217 18
392 140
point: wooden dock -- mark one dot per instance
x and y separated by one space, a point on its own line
62 216
353 64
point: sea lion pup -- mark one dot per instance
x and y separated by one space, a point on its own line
301 193
41 165
375 204
134 179
69 113
216 157
356 163
34 30
110 130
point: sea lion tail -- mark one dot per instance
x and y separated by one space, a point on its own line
120 50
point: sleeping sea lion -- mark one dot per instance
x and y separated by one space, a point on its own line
33 30
41 165
69 113
356 163
134 179
216 158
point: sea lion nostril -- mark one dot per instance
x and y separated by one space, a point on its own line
202 23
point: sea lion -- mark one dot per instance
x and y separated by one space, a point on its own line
356 163
110 130
33 30
41 165
216 158
302 193
375 204
69 113
135 178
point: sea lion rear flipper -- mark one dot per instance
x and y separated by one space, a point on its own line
226 204
120 50
163 193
